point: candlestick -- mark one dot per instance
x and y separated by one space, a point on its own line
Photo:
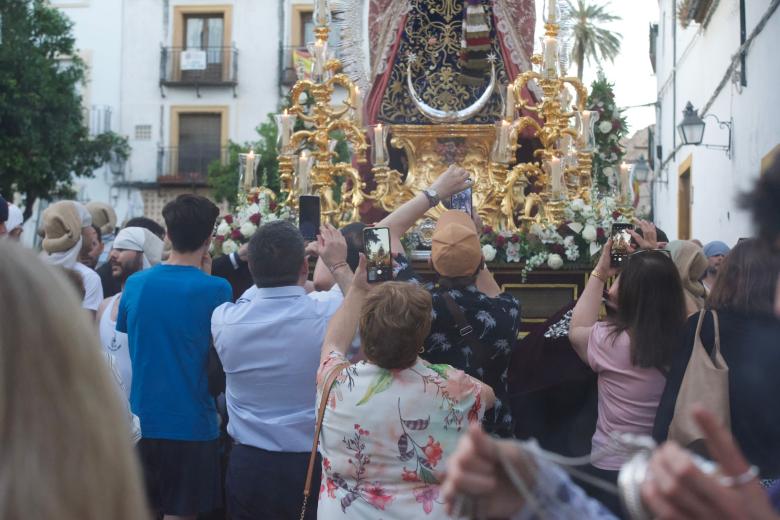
321 13
550 60
556 177
509 103
284 124
587 120
501 149
303 171
380 145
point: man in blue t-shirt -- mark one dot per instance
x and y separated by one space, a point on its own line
166 313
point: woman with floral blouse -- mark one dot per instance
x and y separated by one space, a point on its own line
393 419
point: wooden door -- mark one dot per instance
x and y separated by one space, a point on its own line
200 142
684 201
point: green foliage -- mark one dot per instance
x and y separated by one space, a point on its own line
44 141
608 153
592 42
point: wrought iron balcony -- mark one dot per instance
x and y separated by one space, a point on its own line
208 67
187 165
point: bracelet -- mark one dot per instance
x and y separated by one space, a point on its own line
334 267
597 274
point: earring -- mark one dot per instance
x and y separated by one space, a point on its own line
421 349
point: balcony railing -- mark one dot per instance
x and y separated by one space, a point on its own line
187 165
212 66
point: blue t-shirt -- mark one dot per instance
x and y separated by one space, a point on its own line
166 313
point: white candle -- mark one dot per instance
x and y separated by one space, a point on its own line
249 171
379 145
550 60
285 123
358 107
556 176
321 12
509 103
304 165
319 51
552 11
625 183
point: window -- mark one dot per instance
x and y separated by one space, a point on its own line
143 132
202 43
684 200
198 138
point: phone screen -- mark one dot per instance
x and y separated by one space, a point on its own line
462 201
309 216
379 266
621 240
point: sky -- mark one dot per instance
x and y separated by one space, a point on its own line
632 74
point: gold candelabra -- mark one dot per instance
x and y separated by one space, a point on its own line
561 169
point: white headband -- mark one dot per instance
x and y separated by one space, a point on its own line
143 240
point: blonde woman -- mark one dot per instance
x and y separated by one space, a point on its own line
66 450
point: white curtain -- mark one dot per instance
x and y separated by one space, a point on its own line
214 43
194 33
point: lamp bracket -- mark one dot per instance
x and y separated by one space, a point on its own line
722 124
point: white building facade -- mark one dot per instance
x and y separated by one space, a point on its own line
179 79
695 187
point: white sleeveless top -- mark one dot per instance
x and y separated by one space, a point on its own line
115 344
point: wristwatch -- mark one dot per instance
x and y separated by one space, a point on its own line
432 196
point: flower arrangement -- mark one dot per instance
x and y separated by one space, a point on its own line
574 242
235 229
611 128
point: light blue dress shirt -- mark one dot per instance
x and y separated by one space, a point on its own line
269 343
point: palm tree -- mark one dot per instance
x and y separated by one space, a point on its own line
591 39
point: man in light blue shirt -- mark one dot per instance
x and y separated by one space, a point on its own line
269 344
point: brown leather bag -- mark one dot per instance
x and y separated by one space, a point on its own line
706 381
326 388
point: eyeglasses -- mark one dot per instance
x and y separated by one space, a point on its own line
664 251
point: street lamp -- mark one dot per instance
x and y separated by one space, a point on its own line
692 129
641 169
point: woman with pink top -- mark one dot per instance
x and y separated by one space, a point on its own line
630 351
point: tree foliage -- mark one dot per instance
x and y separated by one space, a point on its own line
43 137
592 41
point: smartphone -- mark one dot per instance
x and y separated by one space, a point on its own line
376 245
621 240
462 201
309 216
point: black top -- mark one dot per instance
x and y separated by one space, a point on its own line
495 321
239 277
751 348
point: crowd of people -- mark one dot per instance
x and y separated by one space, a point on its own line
145 380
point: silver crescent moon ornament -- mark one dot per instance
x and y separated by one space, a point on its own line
451 116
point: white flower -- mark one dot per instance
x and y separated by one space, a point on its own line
568 241
589 233
270 217
554 261
512 252
605 127
223 229
572 254
577 204
612 157
536 229
609 171
489 252
228 246
576 227
248 229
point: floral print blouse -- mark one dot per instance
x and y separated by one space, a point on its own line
386 435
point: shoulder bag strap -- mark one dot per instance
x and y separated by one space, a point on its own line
464 328
326 388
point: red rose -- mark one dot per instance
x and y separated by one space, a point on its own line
515 239
616 124
235 234
228 219
600 234
219 238
486 230
558 249
616 214
500 240
272 206
255 219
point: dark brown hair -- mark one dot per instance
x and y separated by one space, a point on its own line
394 322
651 309
747 280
